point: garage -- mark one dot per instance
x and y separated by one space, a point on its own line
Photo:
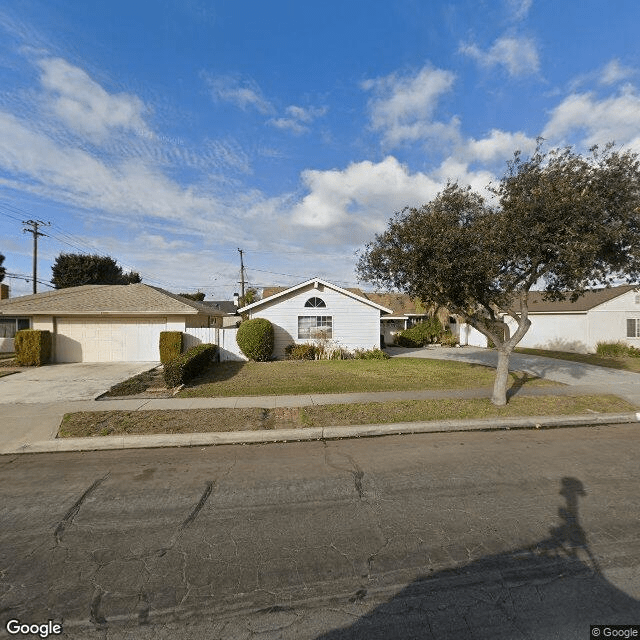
98 340
108 323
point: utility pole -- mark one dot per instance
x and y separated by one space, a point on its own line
34 224
241 276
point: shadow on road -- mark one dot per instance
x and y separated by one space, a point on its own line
553 589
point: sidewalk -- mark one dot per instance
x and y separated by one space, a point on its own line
32 428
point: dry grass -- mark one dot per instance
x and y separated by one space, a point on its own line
106 423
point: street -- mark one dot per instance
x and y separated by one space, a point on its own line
514 534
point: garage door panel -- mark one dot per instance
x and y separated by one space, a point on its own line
97 340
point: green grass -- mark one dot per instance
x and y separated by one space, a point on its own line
291 377
106 423
626 363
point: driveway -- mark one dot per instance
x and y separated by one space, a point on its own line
62 382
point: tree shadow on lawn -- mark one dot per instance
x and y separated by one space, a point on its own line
217 372
538 592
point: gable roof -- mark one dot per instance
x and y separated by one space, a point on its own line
224 306
403 305
105 299
588 301
314 282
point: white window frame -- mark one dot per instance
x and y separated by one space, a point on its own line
16 320
633 327
310 327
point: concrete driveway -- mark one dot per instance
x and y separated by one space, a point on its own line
63 382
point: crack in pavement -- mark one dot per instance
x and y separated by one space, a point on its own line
73 512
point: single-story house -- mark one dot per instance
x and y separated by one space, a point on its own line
104 323
600 315
318 309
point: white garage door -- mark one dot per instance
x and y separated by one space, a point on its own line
99 340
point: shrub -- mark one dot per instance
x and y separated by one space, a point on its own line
420 334
370 354
300 352
447 339
170 345
612 349
255 339
33 347
189 364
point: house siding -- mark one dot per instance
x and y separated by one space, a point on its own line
356 325
555 331
608 321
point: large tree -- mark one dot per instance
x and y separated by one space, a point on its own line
559 220
75 269
2 269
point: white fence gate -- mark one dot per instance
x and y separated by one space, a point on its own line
224 338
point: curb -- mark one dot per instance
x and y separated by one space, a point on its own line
60 445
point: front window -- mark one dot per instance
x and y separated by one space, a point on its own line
315 303
10 326
315 327
633 327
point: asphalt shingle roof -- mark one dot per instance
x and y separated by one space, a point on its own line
586 302
95 299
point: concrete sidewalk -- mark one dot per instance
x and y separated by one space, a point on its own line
32 428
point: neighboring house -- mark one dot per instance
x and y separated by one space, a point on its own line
104 323
318 309
600 315
406 312
229 309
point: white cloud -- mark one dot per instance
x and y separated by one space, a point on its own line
615 118
615 72
364 194
519 9
73 175
297 118
497 146
519 56
243 93
84 106
403 106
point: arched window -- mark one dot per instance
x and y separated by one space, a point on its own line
315 303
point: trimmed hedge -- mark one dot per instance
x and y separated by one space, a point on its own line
33 347
170 345
255 339
189 364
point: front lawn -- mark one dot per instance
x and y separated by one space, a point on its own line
626 363
111 423
292 377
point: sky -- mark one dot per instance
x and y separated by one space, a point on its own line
170 134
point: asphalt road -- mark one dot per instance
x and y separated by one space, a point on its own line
521 534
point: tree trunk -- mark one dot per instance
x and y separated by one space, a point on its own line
499 397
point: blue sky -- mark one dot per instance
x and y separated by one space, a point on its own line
168 135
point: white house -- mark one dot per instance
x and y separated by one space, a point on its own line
600 315
104 323
316 308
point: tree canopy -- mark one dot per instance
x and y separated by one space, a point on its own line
560 220
2 269
75 269
197 297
